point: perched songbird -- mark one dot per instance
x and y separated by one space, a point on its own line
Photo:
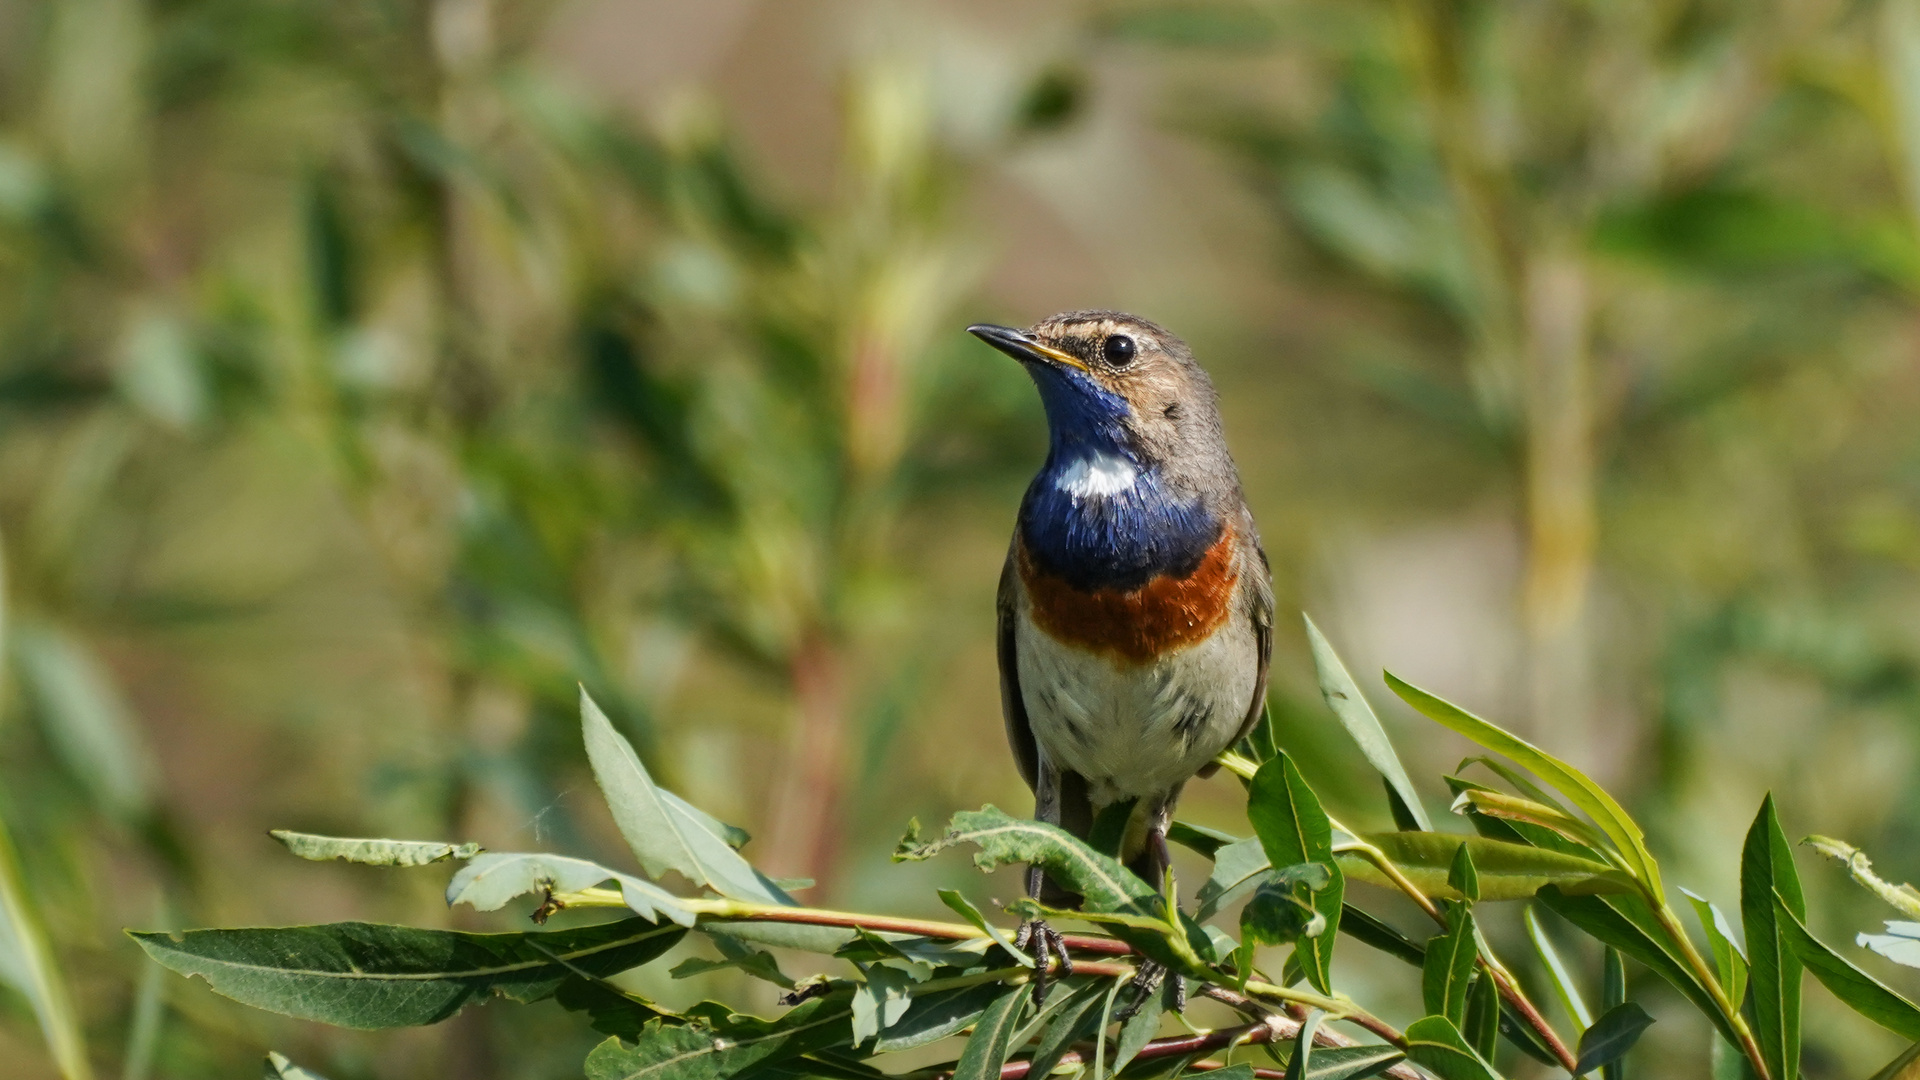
1136 606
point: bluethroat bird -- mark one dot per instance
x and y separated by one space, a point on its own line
1136 605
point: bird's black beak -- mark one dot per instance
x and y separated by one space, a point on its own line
1017 344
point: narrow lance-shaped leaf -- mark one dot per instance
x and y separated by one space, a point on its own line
1343 696
1076 1019
1564 985
366 975
1302 1057
1294 829
991 1042
670 1051
27 964
372 852
1462 877
1436 1045
1727 957
1766 867
664 832
1611 1036
1505 870
965 909
1347 1062
1482 1026
1579 789
1449 964
1627 924
1862 992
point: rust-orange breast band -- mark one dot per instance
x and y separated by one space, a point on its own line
1138 625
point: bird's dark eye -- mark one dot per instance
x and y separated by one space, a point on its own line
1118 350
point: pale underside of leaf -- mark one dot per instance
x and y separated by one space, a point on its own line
372 852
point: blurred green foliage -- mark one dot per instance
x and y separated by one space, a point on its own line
365 383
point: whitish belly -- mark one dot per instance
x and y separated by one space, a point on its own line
1135 730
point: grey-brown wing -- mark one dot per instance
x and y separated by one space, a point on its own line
1259 586
1013 707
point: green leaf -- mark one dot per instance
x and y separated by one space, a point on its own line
368 975
490 880
1112 895
1562 978
1077 1018
1139 1029
1277 915
1199 838
1343 696
1766 867
935 1016
881 1001
1505 871
961 906
665 833
1462 878
1611 1036
667 1051
1449 964
1862 992
1370 930
1436 1045
1482 1027
1294 829
1727 957
736 955
1237 869
27 964
992 1039
372 852
1302 1058
1562 777
279 1068
1347 1062
87 721
1628 924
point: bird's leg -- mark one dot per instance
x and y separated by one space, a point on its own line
1039 938
1153 865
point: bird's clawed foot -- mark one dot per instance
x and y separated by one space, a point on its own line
1147 981
1044 944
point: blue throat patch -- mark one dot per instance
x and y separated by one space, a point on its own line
1119 541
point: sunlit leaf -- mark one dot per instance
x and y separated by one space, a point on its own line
1865 994
1766 868
493 878
1294 829
1590 797
1564 985
1348 1062
1449 965
664 832
1626 923
372 852
1343 696
1727 957
1900 944
1506 871
367 975
965 909
1436 1045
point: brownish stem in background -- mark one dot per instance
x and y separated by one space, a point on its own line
808 798
1560 501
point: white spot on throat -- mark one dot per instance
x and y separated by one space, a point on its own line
1099 474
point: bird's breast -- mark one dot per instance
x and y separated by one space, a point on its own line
1172 609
